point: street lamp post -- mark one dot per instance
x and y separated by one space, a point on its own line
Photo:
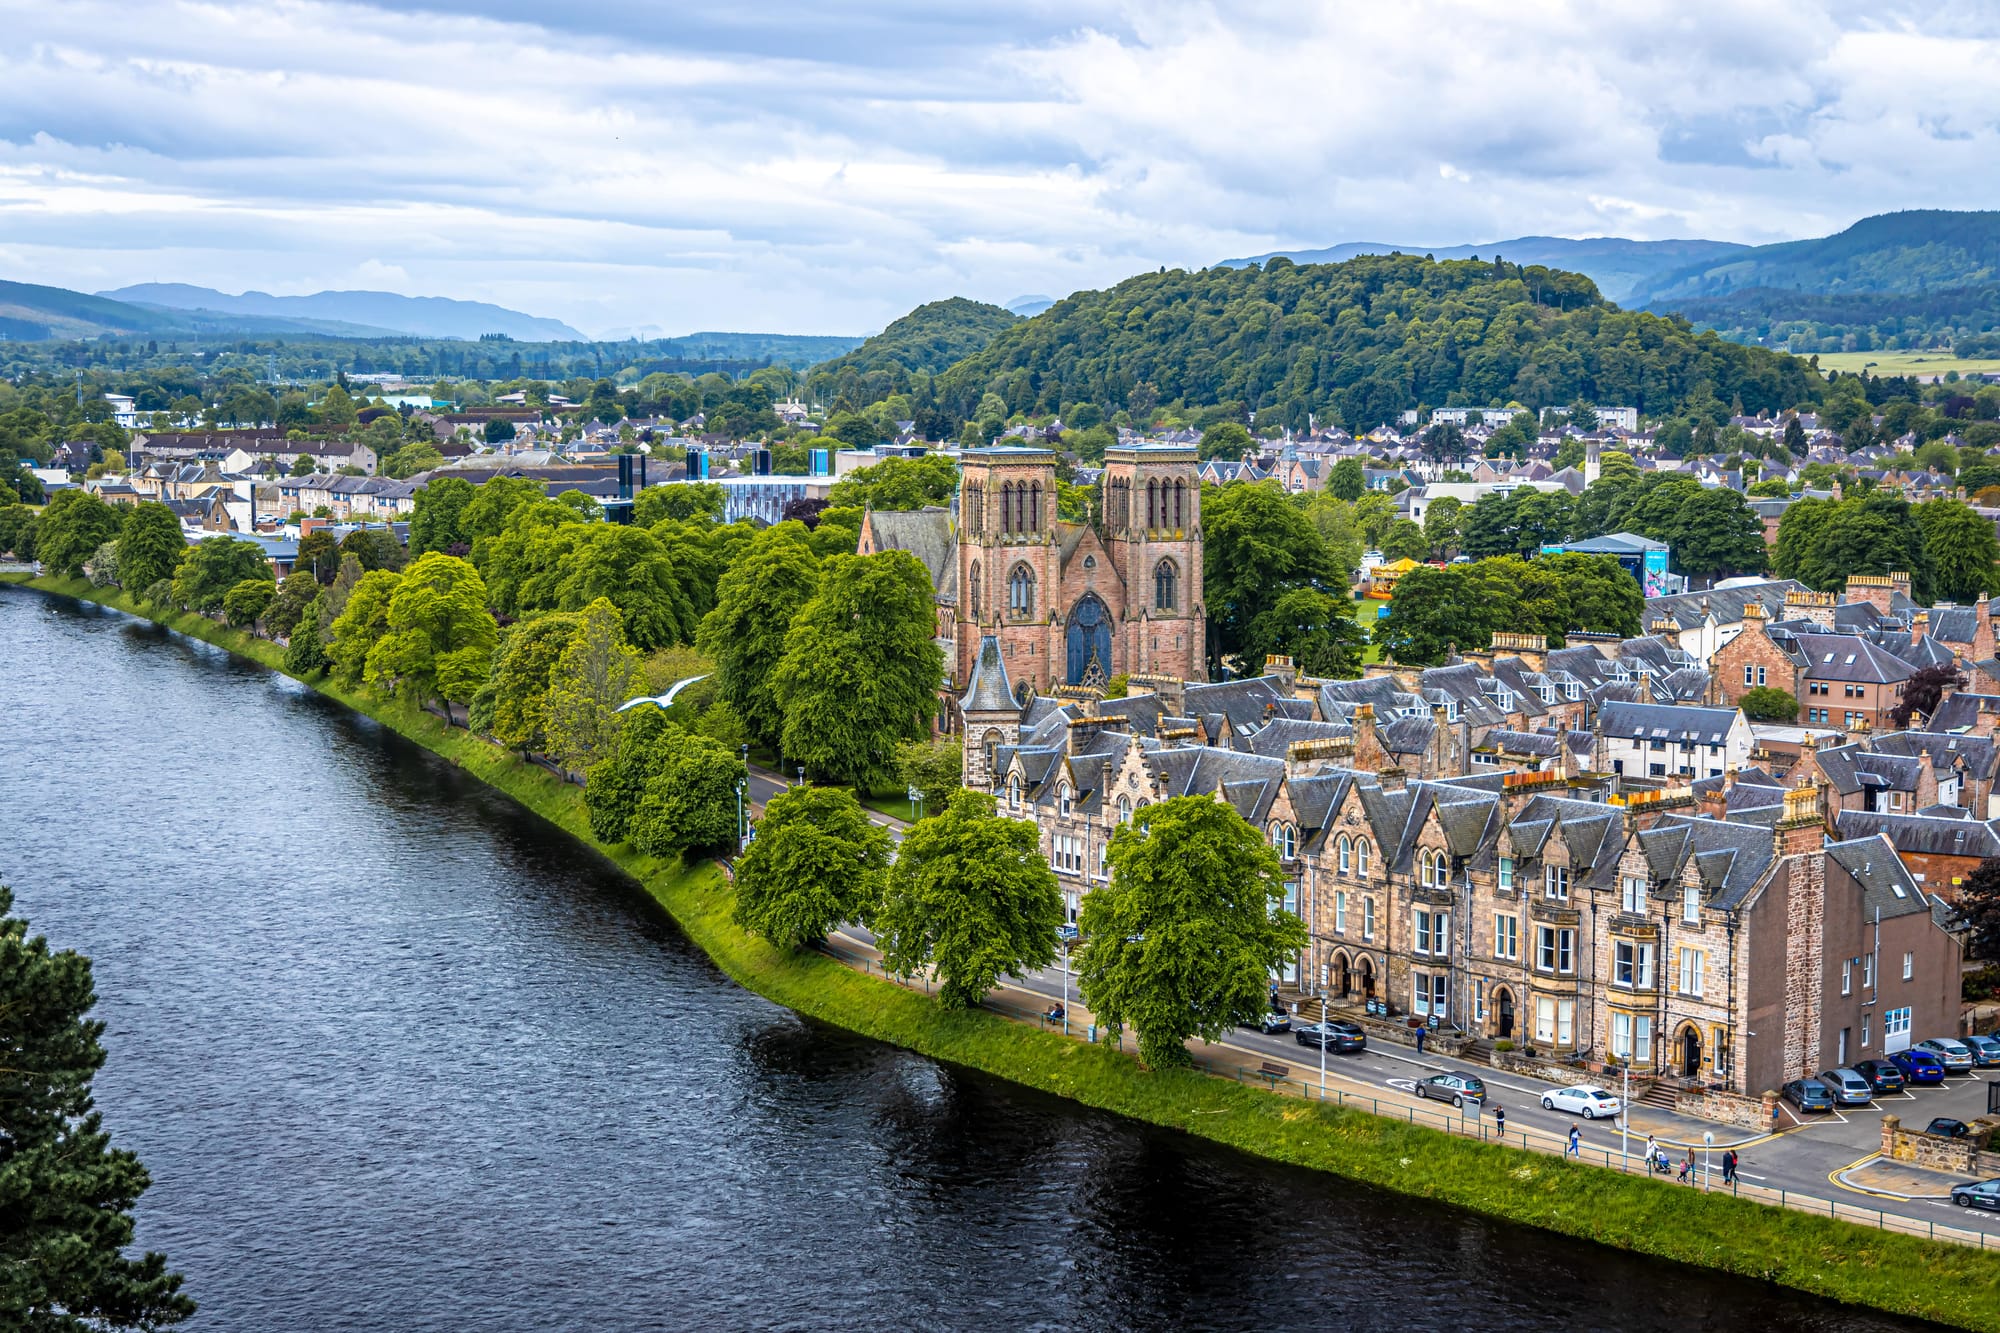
802 776
1625 1121
1065 999
742 785
1322 1032
1707 1157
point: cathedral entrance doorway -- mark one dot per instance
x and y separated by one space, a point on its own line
1088 642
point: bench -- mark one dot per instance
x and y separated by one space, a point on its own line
1271 1072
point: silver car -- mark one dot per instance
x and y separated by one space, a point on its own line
1848 1087
1953 1054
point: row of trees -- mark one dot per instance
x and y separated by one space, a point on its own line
1948 550
1463 606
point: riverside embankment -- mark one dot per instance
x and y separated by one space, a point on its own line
1853 1264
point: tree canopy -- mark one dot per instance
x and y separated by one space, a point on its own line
1465 605
440 636
817 861
150 545
755 604
1258 546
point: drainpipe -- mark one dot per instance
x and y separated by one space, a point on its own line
1735 1055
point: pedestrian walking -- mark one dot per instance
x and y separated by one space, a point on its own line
1500 1121
1729 1167
1575 1142
1420 1041
1686 1173
1651 1149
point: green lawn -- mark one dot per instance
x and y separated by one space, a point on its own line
1859 1265
1907 363
1363 614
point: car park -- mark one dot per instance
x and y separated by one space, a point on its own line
1985 1050
1953 1054
1882 1076
1584 1100
1848 1087
1272 1023
1918 1066
1808 1094
1945 1127
1458 1089
1984 1194
1337 1035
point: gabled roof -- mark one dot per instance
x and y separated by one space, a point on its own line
1675 723
1922 834
989 691
1886 885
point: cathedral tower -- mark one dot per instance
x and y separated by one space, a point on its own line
1152 527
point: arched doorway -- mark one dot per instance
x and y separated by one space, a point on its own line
1343 979
1367 977
1690 1051
1088 642
1503 1012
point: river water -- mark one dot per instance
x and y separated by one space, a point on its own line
401 1057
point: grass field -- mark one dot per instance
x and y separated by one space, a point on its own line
1906 363
1862 1266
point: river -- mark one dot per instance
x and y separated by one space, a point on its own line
400 1056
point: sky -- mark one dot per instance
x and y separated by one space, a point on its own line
783 166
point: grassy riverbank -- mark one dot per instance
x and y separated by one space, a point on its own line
1863 1266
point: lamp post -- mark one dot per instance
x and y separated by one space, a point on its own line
1625 1121
1322 1032
742 784
1707 1157
1065 999
802 776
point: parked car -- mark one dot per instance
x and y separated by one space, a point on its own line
1945 1127
1458 1089
1985 1194
1953 1054
1271 1023
1808 1094
1882 1076
1848 1087
1918 1066
1582 1100
1985 1050
1337 1035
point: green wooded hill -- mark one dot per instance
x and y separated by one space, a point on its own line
1906 252
1964 319
1356 343
926 341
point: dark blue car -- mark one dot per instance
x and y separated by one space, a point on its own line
1919 1066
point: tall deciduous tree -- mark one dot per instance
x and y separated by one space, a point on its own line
440 636
934 767
755 603
617 784
1258 547
817 860
244 605
628 566
150 545
362 622
1184 939
689 803
1312 628
522 667
1962 550
289 606
212 567
66 1194
72 526
861 669
972 896
437 522
595 673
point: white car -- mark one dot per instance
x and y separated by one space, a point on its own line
1586 1101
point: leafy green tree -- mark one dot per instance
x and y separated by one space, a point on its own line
65 1246
1405 541
244 605
1962 550
361 624
375 548
522 667
971 896
861 669
436 522
1441 526
319 554
629 567
440 636
702 501
336 408
302 466
1226 439
17 529
1374 514
485 515
933 767
898 483
1717 534
1768 703
1185 938
617 784
595 673
72 526
1347 480
150 545
212 567
1776 488
755 604
689 804
1259 547
408 461
102 567
306 654
1312 628
817 861
288 607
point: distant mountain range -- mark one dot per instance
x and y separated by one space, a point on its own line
1900 253
1619 267
421 316
32 313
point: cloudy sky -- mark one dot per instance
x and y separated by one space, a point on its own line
821 167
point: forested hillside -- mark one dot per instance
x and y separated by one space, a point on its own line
1964 319
1355 344
1916 251
925 341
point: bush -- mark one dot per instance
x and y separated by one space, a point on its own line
1503 1045
160 592
1767 703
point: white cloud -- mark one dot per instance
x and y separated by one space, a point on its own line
823 168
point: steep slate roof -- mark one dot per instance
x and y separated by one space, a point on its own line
1959 711
1850 769
1846 657
1926 834
989 691
926 534
1944 749
1725 604
1670 722
1730 858
1885 882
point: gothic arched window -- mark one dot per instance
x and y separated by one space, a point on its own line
1166 579
973 600
1034 522
1021 591
1152 504
1180 500
992 753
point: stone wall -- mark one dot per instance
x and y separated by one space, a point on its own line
1513 1062
1728 1108
1971 1156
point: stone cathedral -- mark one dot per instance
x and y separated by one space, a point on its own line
1079 603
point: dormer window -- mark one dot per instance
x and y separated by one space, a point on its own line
1013 792
1063 800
